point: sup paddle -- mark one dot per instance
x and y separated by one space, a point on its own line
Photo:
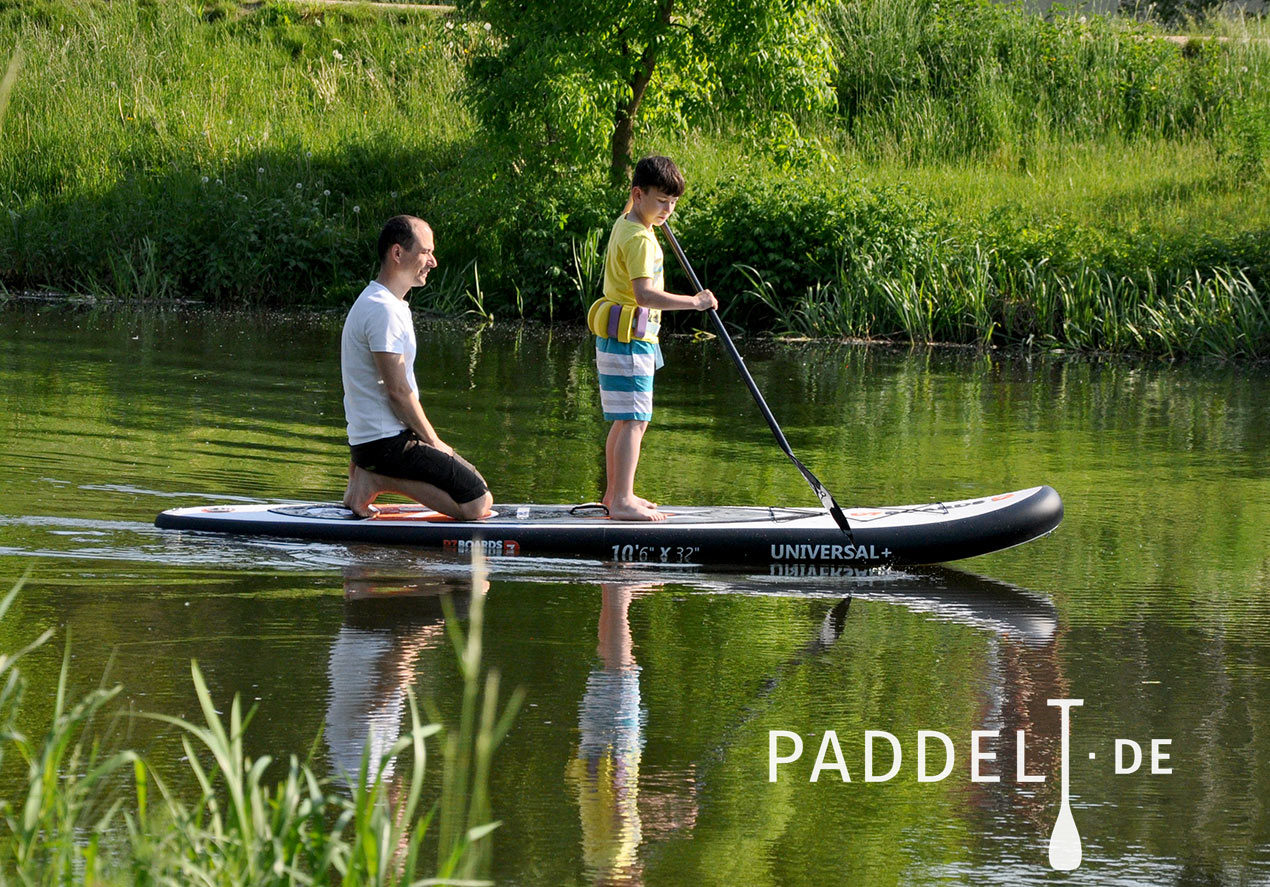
825 497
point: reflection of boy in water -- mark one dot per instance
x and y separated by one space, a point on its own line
605 772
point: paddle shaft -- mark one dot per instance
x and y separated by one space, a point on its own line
826 498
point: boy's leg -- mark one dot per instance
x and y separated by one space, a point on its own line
610 470
622 458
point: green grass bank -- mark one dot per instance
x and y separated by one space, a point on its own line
987 176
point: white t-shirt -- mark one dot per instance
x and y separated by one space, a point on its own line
364 707
378 321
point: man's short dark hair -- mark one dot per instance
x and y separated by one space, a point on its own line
661 173
398 230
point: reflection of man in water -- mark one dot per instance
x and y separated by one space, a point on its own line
373 661
1025 674
605 772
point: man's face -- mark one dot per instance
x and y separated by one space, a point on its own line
422 258
652 205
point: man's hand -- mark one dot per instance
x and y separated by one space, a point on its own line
705 300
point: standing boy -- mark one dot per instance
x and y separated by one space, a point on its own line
626 321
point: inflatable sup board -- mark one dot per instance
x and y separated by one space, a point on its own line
739 535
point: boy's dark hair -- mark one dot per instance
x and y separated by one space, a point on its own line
397 230
659 172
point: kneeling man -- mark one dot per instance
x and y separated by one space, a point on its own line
394 447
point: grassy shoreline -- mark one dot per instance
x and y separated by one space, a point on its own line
1104 198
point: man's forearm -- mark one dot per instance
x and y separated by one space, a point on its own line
407 408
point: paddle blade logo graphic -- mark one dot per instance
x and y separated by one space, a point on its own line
1065 842
1065 851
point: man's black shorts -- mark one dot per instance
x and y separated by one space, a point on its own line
406 456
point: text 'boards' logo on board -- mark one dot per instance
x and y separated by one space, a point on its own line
487 547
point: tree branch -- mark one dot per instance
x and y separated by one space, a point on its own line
624 119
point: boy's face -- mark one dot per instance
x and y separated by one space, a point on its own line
652 206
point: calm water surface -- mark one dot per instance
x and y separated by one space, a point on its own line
642 752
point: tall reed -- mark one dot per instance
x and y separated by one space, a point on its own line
924 81
6 84
465 803
976 298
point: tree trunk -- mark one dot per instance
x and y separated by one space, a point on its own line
624 119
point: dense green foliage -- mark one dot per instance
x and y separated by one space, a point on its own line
157 154
985 174
882 263
562 106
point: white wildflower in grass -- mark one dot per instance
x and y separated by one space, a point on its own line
488 26
326 193
357 209
204 180
298 186
308 155
449 26
260 170
394 194
339 56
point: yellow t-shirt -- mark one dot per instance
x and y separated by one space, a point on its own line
633 252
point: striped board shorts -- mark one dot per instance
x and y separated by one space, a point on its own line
626 378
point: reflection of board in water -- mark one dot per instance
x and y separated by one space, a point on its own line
727 535
1011 615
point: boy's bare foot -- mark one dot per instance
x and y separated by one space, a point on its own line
638 500
633 510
